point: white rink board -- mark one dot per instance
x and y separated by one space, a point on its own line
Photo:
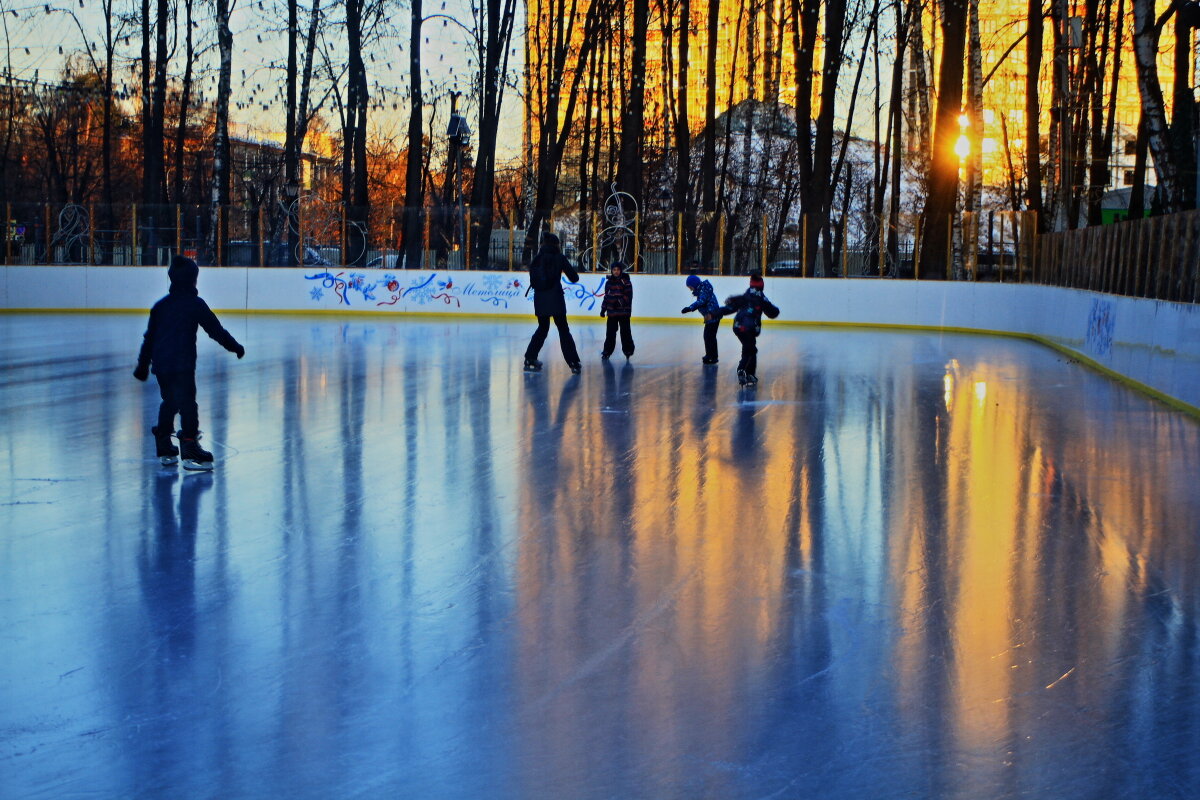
1154 343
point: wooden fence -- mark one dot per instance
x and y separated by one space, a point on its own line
1157 257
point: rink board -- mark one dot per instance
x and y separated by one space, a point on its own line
1151 343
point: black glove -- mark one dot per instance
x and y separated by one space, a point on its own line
685 310
241 351
141 372
603 312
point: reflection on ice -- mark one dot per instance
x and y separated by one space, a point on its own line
905 566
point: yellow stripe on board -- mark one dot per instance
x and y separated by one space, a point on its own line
1166 399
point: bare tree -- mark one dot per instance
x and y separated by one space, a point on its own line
413 187
185 98
1033 112
1146 31
221 148
943 172
495 43
629 163
298 115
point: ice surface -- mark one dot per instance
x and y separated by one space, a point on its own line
907 565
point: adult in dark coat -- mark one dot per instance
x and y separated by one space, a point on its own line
618 307
549 303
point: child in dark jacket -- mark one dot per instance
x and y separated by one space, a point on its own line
618 307
747 310
169 346
706 303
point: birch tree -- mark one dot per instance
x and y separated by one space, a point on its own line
1158 137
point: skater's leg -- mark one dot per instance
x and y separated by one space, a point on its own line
194 456
185 399
710 339
751 346
566 340
167 408
742 361
626 337
610 337
538 339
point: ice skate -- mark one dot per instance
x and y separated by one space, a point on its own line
708 362
576 368
168 454
751 379
604 356
743 378
533 365
195 457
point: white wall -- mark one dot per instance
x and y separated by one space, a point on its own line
1153 343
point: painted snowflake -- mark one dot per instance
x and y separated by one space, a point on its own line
316 293
422 291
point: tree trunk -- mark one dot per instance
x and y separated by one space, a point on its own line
683 134
708 160
629 164
1183 108
943 173
1158 136
497 41
414 200
221 150
291 148
358 98
184 101
1033 112
974 171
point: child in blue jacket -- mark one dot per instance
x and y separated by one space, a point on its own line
706 303
747 310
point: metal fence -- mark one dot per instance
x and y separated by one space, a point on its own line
1157 257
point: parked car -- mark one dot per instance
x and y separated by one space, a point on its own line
387 261
785 269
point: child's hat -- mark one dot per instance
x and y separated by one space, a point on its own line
617 265
183 270
693 281
756 281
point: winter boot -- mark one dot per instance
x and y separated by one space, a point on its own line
743 378
195 457
533 365
168 454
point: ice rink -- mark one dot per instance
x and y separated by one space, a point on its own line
908 565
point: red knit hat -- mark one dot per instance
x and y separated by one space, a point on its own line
756 281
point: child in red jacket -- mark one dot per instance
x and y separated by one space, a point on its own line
747 310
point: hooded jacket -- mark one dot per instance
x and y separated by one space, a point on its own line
706 299
169 344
